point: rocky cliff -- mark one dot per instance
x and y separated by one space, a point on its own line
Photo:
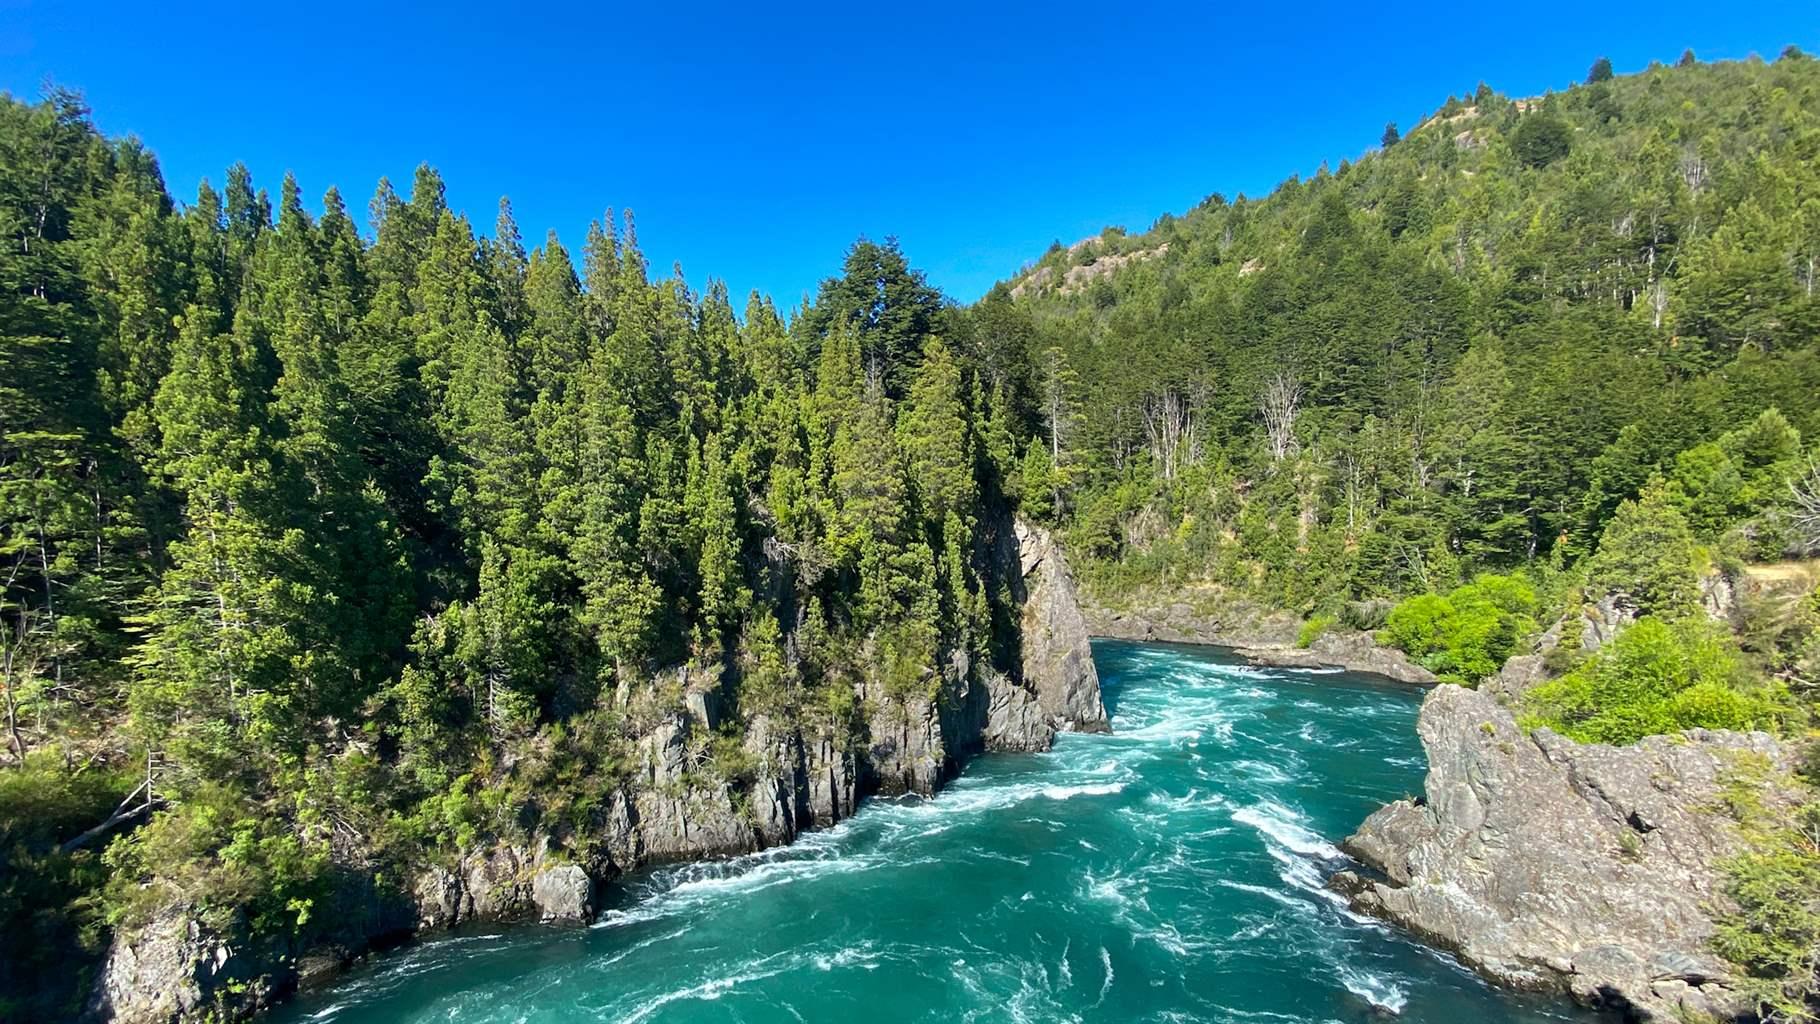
1552 865
1057 661
185 964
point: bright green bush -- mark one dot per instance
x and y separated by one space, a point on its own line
1465 635
1656 677
1312 630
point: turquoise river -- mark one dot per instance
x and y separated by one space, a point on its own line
1168 872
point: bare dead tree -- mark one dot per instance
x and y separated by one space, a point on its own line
1693 170
1169 426
1658 301
1352 471
1807 506
1058 384
1278 405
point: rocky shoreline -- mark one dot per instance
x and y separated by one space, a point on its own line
1557 866
1260 635
186 965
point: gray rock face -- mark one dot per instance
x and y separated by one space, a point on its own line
563 893
1014 719
173 972
1058 659
1584 630
1548 864
1237 623
1347 649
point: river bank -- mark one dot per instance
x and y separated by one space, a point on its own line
1169 870
1209 616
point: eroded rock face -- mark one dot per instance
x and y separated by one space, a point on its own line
1015 721
175 968
564 892
1548 864
1058 659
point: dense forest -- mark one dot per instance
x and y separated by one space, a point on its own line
318 539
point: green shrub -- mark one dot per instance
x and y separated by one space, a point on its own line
1464 636
1656 677
1775 927
1312 630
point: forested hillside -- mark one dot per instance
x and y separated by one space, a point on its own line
1460 353
1531 392
326 550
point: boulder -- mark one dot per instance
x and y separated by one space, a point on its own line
1554 865
563 892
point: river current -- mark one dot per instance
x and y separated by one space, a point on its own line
1169 872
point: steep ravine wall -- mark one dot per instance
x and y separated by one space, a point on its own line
185 965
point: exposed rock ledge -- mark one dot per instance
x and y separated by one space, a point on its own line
1348 649
185 966
1552 865
1262 635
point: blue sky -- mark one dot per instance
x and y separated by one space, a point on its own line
755 142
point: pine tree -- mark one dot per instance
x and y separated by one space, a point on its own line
932 431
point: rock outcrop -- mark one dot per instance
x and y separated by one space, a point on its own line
1015 721
1351 650
1552 865
795 776
1058 659
1580 631
177 965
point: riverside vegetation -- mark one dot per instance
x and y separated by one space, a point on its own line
333 559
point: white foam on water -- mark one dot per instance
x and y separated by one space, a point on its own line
1105 986
1265 891
708 990
861 955
1380 993
1285 827
1262 771
1095 789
